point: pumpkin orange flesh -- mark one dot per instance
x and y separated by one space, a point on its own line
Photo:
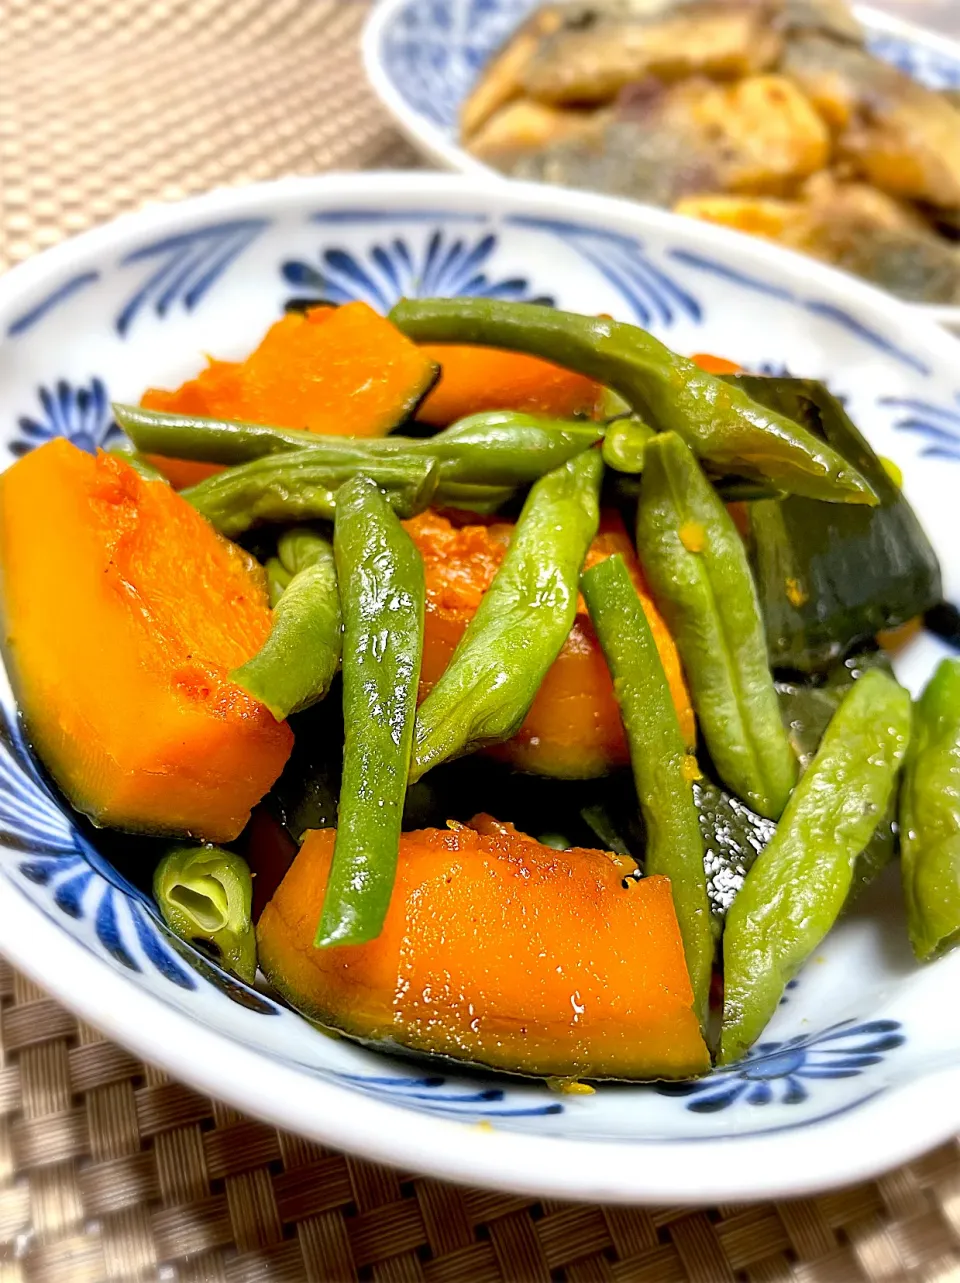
501 952
715 364
473 379
573 729
345 371
124 612
213 394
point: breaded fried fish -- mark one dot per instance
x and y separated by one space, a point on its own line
900 136
852 226
757 135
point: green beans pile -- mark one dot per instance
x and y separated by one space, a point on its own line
721 423
677 446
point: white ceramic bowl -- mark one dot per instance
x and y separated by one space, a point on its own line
861 1066
423 56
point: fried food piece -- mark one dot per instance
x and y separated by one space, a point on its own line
864 231
759 135
524 126
900 136
767 133
502 78
763 216
592 63
585 53
852 226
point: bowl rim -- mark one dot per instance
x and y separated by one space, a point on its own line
431 142
852 1145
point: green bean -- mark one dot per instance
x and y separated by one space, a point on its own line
796 890
298 487
720 422
473 498
228 441
298 661
499 447
697 566
743 490
301 547
930 817
137 462
205 895
610 406
659 760
624 444
521 623
278 580
597 819
380 574
505 447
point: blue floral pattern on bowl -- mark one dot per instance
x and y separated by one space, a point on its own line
435 1094
434 51
651 292
80 413
185 267
784 1070
448 265
937 425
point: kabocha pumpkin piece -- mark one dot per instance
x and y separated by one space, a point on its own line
344 371
827 578
183 473
573 728
213 392
123 616
340 370
473 379
498 951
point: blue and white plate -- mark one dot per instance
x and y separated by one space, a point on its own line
860 1069
423 56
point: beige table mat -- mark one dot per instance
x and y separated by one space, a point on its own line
106 104
108 1170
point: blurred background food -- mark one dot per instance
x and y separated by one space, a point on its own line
768 116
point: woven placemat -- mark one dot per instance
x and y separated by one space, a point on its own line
109 1170
106 104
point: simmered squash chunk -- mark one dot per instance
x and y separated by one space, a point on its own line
124 612
345 371
573 729
501 952
473 379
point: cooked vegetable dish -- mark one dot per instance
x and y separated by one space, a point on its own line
500 684
768 116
